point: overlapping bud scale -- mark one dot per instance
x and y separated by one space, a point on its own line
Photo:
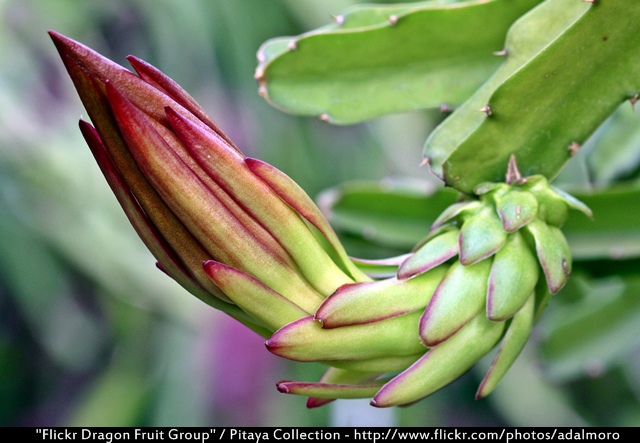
243 237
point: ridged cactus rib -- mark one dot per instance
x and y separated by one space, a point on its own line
541 113
347 75
527 37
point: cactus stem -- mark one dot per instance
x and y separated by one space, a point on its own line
502 53
486 109
513 173
293 45
573 148
338 19
393 20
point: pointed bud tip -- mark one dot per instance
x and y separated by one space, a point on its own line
282 387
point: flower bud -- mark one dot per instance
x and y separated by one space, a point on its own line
243 237
234 231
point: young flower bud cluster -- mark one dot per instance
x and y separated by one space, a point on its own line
482 276
243 237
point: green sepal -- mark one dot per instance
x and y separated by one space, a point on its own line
395 363
516 208
455 210
553 252
369 302
331 390
514 274
337 376
516 337
552 208
459 297
253 296
442 364
434 252
306 340
481 236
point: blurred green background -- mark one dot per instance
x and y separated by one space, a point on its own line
91 333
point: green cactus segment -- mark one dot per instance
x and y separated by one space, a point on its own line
513 277
481 236
374 301
459 297
518 333
442 364
553 253
541 113
526 38
593 333
254 297
306 340
418 58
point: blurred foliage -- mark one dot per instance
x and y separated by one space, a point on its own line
92 334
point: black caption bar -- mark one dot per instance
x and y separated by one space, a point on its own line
372 435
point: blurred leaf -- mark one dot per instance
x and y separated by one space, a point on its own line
399 214
116 398
393 212
614 232
617 149
548 108
588 336
422 55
